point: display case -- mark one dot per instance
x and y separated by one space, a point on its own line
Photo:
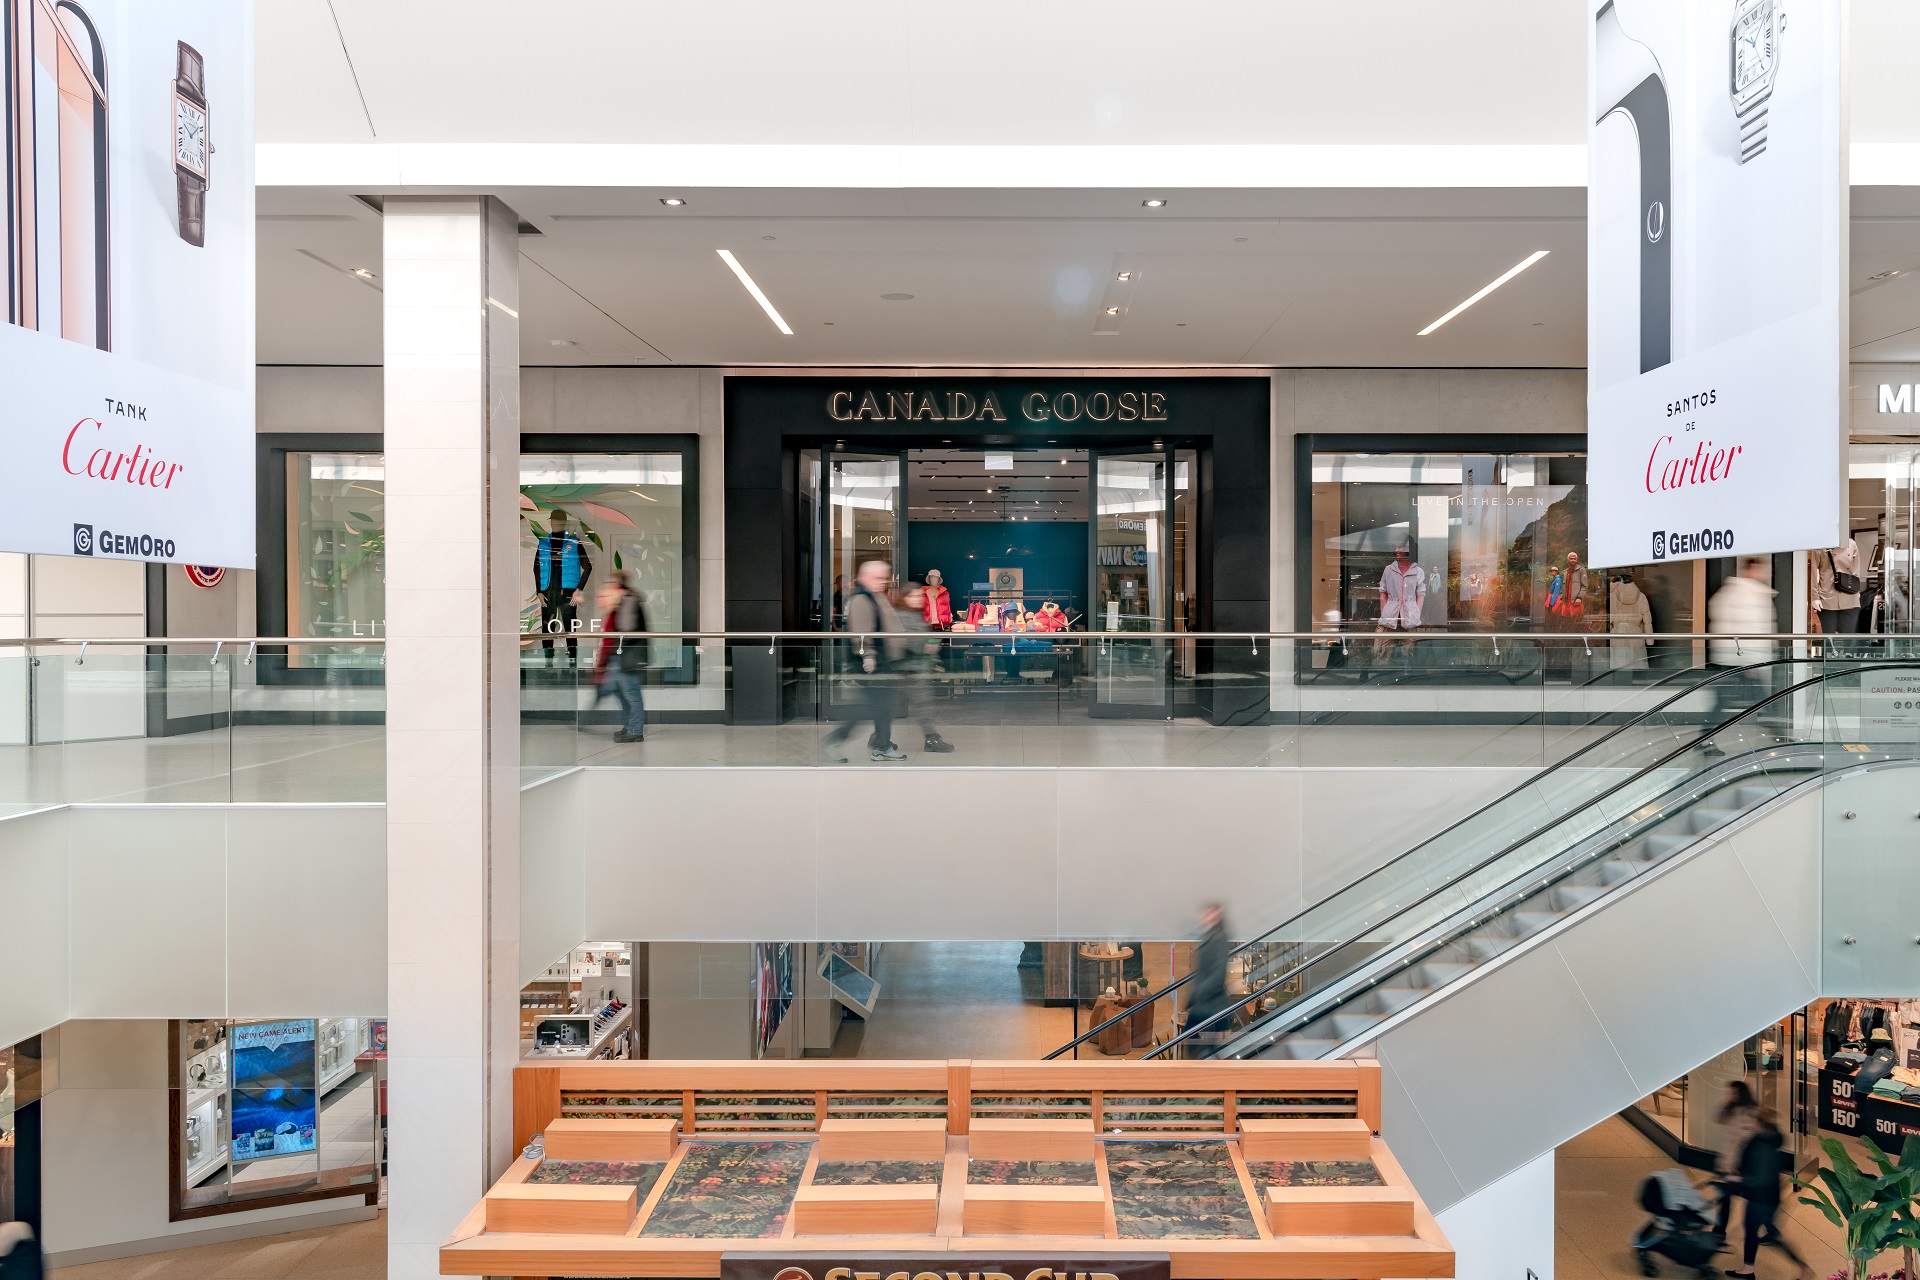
582 1006
339 1042
203 1103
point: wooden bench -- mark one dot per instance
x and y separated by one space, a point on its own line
1030 1140
999 1210
618 1140
562 1208
883 1140
1340 1211
1305 1139
910 1210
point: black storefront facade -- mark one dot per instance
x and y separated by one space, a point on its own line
783 435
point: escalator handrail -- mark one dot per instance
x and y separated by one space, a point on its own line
1671 756
1650 712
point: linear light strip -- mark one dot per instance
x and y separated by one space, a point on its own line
726 256
1509 274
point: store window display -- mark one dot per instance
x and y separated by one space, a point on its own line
590 1004
614 511
284 1110
1466 542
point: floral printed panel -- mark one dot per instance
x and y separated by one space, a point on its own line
635 1173
1034 1106
1178 1190
738 1190
1033 1173
611 1106
732 1112
887 1106
1315 1173
859 1173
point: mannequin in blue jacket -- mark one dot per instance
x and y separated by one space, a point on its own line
561 568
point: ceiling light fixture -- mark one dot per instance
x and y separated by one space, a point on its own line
1125 276
1113 311
1504 276
365 274
733 263
672 202
1157 202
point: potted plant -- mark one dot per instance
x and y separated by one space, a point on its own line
1876 1211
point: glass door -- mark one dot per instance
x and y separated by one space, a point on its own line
1131 590
862 516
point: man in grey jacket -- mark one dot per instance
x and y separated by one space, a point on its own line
871 615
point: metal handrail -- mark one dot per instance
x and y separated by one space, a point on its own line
1240 1002
1239 637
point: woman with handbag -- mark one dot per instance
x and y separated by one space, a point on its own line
1836 589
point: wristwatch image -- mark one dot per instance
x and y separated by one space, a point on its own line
1754 36
191 146
1627 79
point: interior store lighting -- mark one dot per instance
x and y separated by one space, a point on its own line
1505 276
1155 203
726 256
672 202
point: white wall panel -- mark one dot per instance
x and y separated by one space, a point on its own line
554 833
34 952
306 912
1505 1231
149 884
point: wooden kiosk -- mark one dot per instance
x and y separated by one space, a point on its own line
839 1169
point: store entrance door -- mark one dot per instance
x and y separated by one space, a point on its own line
1131 591
861 521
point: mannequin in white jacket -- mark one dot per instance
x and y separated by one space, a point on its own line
1628 612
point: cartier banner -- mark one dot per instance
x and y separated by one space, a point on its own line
128 353
1716 236
943 1266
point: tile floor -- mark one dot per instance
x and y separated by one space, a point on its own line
309 763
357 1251
955 1000
1596 1210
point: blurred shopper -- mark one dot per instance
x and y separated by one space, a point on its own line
917 668
871 615
1740 611
1207 993
625 656
1762 1166
1739 1118
1836 591
19 1253
561 568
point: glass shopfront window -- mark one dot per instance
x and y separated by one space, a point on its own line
1491 542
626 511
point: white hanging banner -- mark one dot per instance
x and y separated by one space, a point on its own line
127 352
1716 244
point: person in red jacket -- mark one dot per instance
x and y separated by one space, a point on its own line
939 606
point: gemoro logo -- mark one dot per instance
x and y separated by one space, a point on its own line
83 539
1704 542
1659 544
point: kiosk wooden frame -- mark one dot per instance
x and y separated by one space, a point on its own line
1200 1102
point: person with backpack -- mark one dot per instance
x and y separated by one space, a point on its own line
871 615
1763 1164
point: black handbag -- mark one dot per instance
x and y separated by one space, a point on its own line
1846 584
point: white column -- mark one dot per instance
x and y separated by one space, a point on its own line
451 284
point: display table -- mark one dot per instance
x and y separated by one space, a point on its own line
1135 1032
1885 1122
1109 965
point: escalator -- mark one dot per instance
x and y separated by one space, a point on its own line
1473 959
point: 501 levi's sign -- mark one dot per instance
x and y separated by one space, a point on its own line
965 406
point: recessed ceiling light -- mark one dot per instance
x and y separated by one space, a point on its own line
1125 276
365 274
1504 276
896 297
766 237
733 263
672 202
1156 203
1239 239
1113 311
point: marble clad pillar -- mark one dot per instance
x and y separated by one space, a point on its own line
452 388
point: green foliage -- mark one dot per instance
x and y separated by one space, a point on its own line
1876 1210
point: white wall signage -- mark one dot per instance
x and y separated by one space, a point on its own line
1716 217
127 352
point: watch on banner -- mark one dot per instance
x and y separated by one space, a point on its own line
1756 24
191 146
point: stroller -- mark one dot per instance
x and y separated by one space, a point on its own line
1681 1226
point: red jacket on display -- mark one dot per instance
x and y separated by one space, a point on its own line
975 612
939 607
1050 618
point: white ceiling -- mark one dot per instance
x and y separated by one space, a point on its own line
1288 278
